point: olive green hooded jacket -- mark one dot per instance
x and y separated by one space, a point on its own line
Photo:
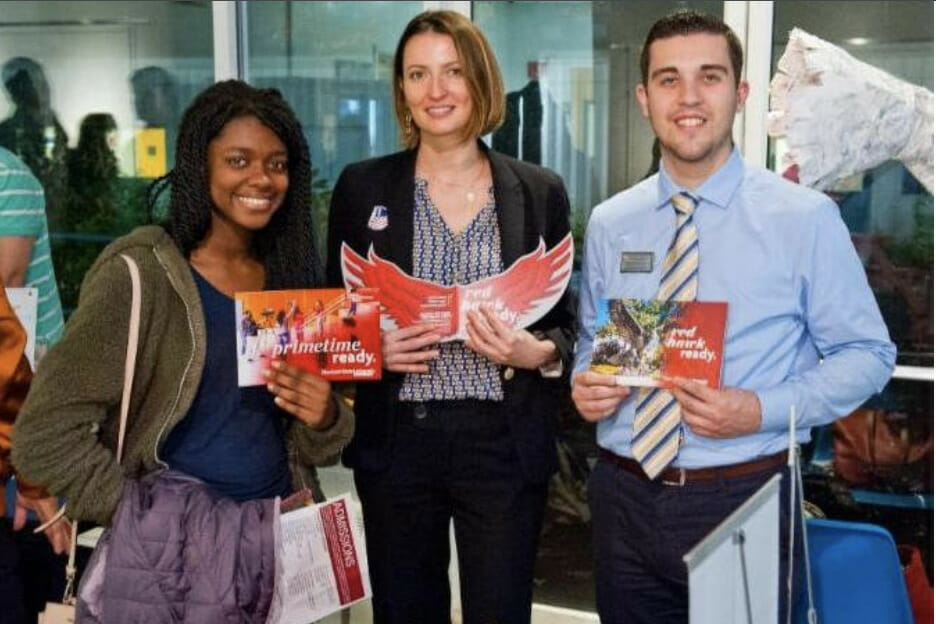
66 433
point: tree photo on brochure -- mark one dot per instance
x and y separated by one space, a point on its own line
647 342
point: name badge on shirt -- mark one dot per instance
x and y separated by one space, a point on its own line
636 261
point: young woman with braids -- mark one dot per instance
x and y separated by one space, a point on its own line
238 221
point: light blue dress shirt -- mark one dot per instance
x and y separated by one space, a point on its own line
803 326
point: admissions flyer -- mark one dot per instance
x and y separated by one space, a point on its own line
330 332
644 342
323 562
520 296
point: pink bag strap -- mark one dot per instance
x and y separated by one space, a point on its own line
133 339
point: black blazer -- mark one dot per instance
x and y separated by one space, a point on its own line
531 203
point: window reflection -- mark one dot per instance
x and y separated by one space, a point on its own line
332 61
93 93
570 69
891 220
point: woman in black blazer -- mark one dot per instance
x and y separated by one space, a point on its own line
459 430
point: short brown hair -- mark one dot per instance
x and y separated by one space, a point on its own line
478 64
691 23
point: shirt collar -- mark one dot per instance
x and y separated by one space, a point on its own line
718 189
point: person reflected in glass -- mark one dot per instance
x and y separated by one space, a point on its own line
33 131
94 159
238 221
92 175
457 430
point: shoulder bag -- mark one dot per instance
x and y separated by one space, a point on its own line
64 612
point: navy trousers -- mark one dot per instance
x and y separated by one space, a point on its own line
12 600
451 460
643 529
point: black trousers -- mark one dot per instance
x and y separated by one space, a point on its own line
451 460
642 530
31 574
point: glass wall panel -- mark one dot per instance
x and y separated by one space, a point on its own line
890 216
888 212
570 70
92 95
333 61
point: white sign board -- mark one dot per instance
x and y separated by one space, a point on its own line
25 303
734 572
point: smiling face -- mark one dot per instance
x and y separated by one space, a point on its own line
691 98
435 88
248 174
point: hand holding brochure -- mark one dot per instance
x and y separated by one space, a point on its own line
645 342
329 332
520 296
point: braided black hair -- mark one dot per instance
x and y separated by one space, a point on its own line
286 246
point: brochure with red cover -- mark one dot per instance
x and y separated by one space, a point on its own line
520 295
322 563
330 332
646 342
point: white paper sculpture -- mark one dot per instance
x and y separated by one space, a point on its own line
841 116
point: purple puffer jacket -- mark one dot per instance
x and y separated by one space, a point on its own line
178 552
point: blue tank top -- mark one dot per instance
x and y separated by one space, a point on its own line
232 438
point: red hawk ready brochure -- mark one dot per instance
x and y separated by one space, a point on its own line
646 342
520 295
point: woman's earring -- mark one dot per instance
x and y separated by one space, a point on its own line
408 122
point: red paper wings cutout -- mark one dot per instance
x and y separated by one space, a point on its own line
521 295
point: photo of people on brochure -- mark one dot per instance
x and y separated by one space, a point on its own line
330 332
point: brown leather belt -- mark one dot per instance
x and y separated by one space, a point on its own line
682 476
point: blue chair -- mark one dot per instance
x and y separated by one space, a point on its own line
856 575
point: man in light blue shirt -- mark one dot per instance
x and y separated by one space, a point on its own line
803 327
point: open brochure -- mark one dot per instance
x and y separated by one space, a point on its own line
330 332
645 342
520 295
323 562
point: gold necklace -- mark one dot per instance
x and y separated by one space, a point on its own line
469 190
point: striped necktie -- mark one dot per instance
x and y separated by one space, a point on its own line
657 419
